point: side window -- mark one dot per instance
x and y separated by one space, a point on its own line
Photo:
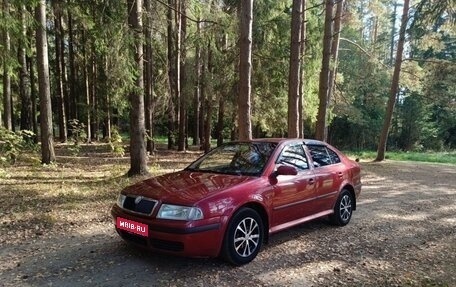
294 155
319 155
333 155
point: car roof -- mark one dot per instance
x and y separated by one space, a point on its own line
281 140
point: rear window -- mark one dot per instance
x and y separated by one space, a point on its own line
322 156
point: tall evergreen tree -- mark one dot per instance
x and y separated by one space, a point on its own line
59 71
321 132
294 72
335 49
181 141
394 85
7 98
24 77
245 71
149 77
138 155
47 141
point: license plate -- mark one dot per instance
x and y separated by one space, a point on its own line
133 226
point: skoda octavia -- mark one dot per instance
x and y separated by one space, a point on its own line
229 201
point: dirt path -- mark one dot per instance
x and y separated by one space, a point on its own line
403 234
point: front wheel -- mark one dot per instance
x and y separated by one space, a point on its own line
244 237
343 209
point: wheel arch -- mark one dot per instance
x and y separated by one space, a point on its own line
350 188
263 214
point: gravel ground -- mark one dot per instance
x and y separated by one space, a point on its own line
403 234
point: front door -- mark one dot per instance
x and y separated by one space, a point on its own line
293 194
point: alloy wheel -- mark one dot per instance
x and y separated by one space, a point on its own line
246 237
345 207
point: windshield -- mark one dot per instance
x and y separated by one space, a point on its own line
236 158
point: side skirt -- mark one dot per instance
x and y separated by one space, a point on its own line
299 221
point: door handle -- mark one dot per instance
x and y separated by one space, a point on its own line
311 180
340 174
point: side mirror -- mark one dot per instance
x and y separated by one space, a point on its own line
286 170
282 170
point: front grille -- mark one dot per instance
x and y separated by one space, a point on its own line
134 238
167 245
139 204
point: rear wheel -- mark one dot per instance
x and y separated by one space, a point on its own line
244 237
343 209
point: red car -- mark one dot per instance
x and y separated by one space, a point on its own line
229 201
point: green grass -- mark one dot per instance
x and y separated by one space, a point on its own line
430 156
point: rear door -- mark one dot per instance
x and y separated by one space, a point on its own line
329 173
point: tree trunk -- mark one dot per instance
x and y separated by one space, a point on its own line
321 128
394 85
86 85
393 33
138 154
93 95
197 99
182 79
208 95
177 65
220 121
108 111
73 101
33 97
171 77
24 81
335 50
203 107
293 77
7 100
63 74
58 72
301 71
47 142
149 81
245 70
207 126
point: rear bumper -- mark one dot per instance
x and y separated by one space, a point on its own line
193 239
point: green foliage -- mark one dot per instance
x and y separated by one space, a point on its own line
425 111
78 131
116 143
12 144
78 135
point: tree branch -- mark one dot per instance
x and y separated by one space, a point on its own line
315 6
430 60
185 15
364 51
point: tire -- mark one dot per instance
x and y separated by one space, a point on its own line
343 209
243 237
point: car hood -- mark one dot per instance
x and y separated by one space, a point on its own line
185 187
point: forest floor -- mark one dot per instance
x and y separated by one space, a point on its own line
56 230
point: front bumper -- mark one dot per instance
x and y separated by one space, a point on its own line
202 238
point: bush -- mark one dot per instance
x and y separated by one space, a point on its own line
13 143
116 143
78 131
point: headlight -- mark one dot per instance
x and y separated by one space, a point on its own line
121 200
176 212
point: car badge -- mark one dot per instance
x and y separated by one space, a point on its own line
138 199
